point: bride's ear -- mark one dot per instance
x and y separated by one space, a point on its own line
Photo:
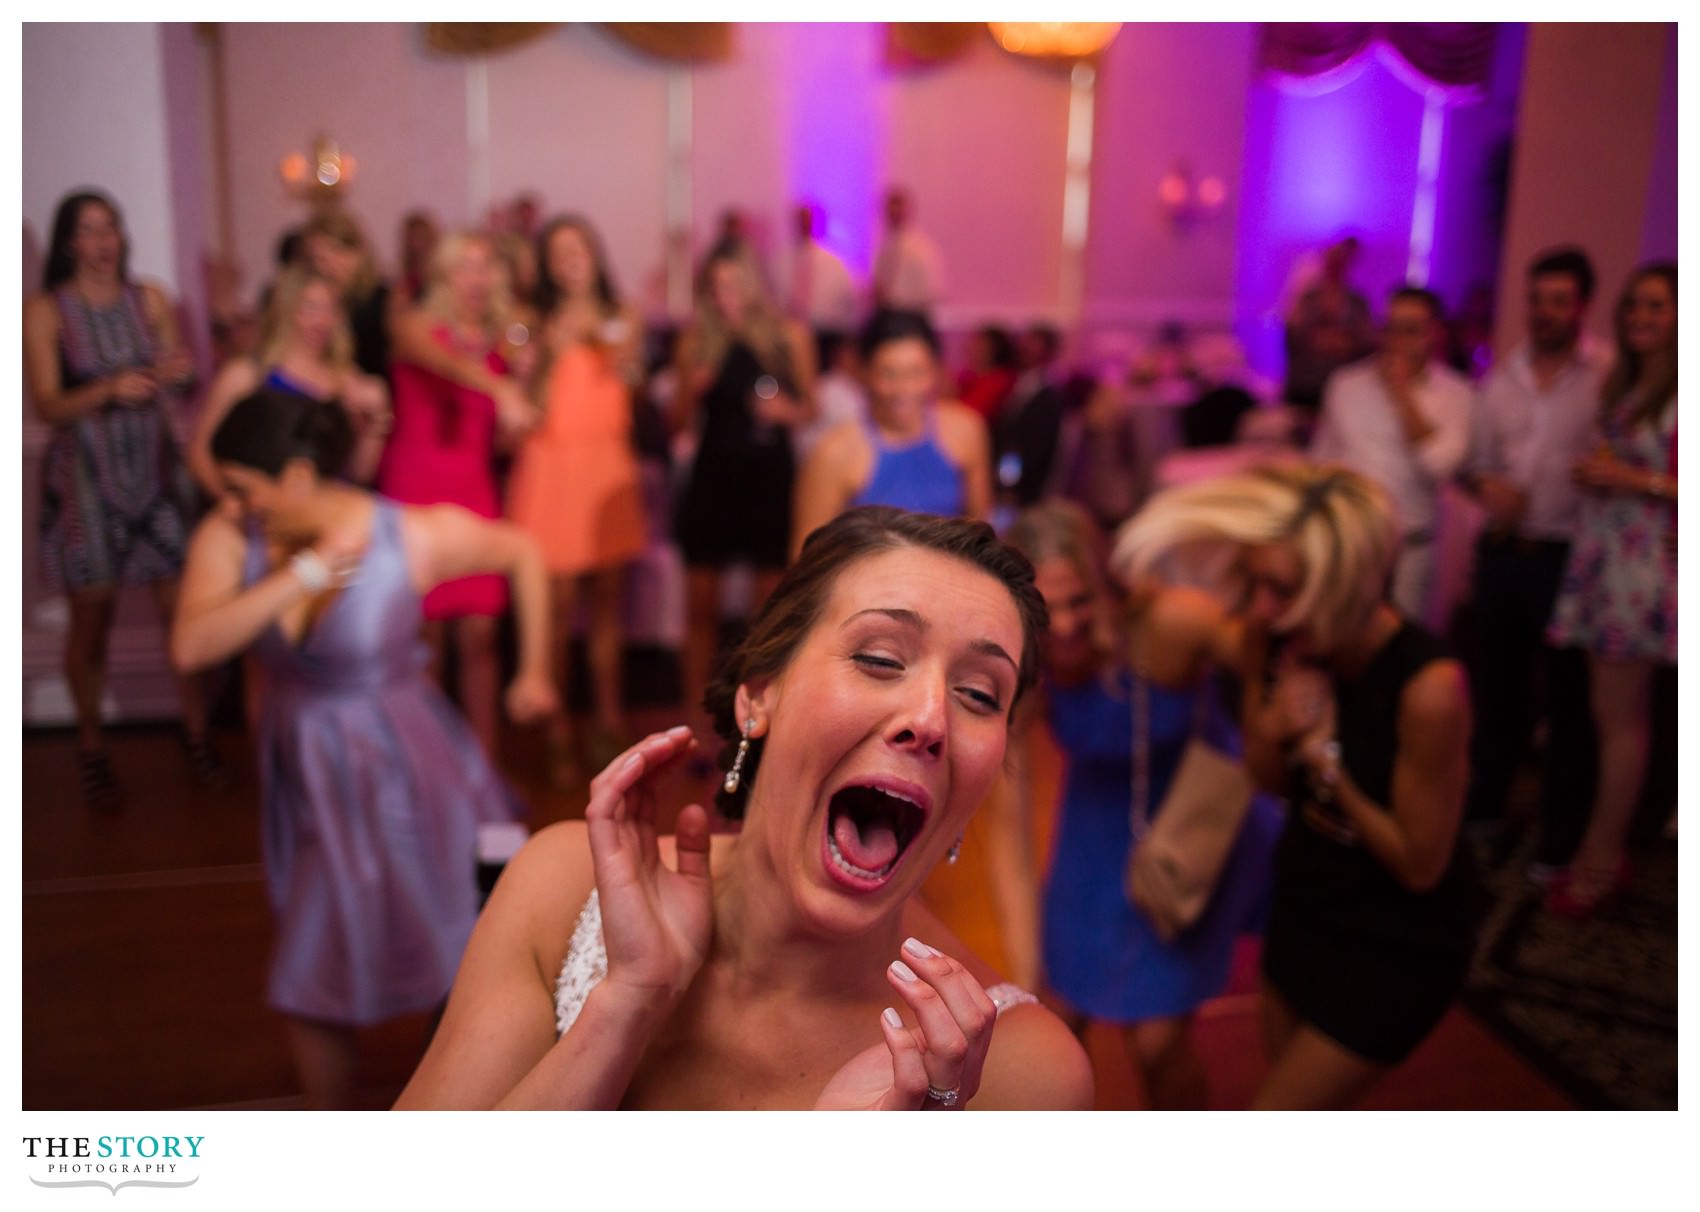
754 703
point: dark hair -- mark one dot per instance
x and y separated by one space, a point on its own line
1569 260
1627 372
551 292
796 604
60 264
1420 294
889 325
1048 336
269 428
1001 347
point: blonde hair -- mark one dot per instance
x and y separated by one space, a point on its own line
340 227
764 323
1340 525
1062 530
277 325
438 301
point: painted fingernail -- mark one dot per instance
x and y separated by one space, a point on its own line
891 1019
903 971
679 730
918 949
635 760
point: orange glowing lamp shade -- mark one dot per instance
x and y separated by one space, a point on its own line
1054 39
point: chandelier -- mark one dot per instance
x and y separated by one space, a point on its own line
1054 39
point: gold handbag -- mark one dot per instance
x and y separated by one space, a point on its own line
1178 857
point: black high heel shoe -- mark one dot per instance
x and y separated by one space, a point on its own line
101 791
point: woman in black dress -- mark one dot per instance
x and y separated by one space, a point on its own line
1361 720
748 373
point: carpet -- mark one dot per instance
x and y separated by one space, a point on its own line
1590 1004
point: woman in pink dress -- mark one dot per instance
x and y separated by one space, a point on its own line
575 485
442 448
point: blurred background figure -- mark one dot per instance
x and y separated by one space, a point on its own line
419 236
575 487
1402 419
909 269
985 382
335 245
745 382
915 451
822 290
443 447
1327 325
1617 601
106 367
1534 418
305 349
1128 686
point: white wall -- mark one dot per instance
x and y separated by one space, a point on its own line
799 109
114 138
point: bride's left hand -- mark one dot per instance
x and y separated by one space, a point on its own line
946 1050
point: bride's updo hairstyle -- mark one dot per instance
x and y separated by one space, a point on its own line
268 429
796 605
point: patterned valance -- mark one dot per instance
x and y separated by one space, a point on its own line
1456 54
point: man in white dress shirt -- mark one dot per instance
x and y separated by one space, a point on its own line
823 294
908 272
1402 419
1534 418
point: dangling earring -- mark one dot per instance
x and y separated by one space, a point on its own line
734 775
955 851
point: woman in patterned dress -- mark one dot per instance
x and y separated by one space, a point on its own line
104 363
1618 597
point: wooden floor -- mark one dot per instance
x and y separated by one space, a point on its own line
146 936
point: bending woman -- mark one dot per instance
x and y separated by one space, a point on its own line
1128 686
788 964
372 786
1362 721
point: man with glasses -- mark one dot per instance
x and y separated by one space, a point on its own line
1402 418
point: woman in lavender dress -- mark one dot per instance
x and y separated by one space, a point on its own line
373 786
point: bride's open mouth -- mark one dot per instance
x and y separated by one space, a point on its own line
870 825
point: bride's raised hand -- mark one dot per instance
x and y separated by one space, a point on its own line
932 1066
656 921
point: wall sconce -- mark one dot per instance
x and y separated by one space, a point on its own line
1187 199
321 177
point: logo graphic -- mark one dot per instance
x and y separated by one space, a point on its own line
114 1162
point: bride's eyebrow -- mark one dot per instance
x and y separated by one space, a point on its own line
910 618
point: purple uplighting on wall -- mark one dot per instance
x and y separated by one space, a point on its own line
1343 155
836 132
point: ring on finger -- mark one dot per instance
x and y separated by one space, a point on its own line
945 1098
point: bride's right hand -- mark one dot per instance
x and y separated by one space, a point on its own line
656 922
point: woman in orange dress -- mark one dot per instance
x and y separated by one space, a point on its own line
575 484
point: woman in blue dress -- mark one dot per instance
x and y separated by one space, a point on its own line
1123 701
913 452
372 786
